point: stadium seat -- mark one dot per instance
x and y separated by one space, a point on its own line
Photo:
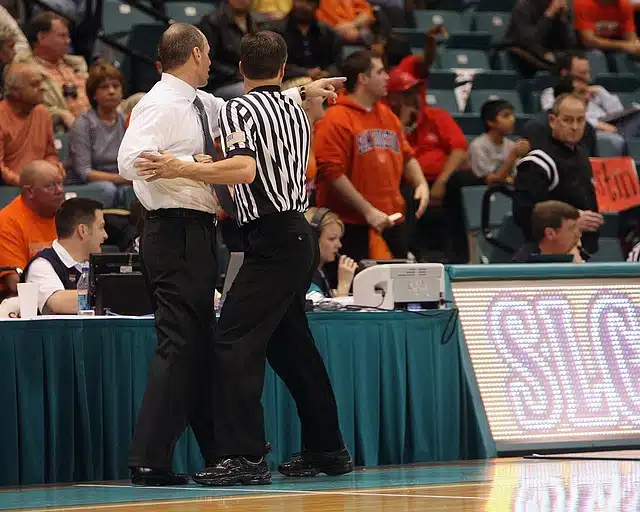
623 64
479 96
503 61
597 63
489 79
453 21
634 150
144 39
188 12
118 18
495 5
470 124
62 146
521 121
618 82
83 191
628 98
413 36
451 5
543 80
444 99
494 23
470 41
535 102
441 79
7 194
609 250
463 59
348 49
605 148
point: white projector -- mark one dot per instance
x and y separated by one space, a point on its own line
400 286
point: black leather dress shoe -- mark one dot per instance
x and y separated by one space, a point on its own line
311 464
156 477
235 470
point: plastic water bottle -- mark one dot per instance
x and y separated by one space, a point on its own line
83 292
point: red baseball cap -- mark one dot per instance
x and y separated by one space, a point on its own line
400 81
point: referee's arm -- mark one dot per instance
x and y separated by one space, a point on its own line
531 188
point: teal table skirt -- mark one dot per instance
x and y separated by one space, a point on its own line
70 390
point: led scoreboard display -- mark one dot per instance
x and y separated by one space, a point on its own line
556 362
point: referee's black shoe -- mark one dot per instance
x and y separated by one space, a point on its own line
311 464
235 470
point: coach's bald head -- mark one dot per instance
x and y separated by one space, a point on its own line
183 51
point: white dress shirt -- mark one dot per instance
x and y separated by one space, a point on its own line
166 120
42 273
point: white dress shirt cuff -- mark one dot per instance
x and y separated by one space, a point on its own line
41 272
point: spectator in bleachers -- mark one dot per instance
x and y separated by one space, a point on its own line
352 19
600 102
56 270
10 30
606 25
493 155
418 66
314 49
224 29
96 135
556 231
65 76
538 129
27 223
558 168
26 131
538 31
362 155
329 230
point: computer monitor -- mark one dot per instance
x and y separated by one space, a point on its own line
235 262
116 285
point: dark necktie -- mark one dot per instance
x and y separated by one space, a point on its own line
222 191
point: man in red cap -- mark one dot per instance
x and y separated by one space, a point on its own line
440 148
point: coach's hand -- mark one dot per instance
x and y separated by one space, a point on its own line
158 166
325 88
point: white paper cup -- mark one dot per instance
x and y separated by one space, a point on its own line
28 296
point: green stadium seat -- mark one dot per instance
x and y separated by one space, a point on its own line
444 99
623 64
495 5
633 146
348 49
470 124
119 17
188 12
597 63
415 37
503 61
470 41
618 82
605 148
490 78
494 23
627 98
452 20
543 80
463 59
478 97
609 250
83 191
8 194
441 79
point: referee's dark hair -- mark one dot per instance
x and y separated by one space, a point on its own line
355 64
262 55
73 212
177 43
550 214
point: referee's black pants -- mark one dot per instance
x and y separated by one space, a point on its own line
177 250
262 318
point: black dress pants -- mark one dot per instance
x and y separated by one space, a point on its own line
263 317
177 250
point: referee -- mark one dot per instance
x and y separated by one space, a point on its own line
268 137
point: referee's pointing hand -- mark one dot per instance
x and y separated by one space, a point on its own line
158 166
325 88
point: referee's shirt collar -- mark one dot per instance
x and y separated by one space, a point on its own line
180 86
266 88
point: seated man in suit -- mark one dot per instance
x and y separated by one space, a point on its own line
80 231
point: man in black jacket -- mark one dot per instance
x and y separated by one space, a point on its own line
558 169
314 48
538 30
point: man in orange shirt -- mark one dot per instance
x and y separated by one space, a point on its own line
352 19
362 155
27 224
26 131
606 25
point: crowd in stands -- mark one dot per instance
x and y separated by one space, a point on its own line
386 147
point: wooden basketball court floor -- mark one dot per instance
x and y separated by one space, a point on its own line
498 485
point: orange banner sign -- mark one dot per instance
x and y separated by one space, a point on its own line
616 182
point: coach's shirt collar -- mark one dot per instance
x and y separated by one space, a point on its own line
180 86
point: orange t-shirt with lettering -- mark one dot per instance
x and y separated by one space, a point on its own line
334 12
613 21
370 148
23 233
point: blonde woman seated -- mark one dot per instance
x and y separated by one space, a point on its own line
329 229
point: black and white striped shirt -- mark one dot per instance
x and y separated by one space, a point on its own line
274 129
